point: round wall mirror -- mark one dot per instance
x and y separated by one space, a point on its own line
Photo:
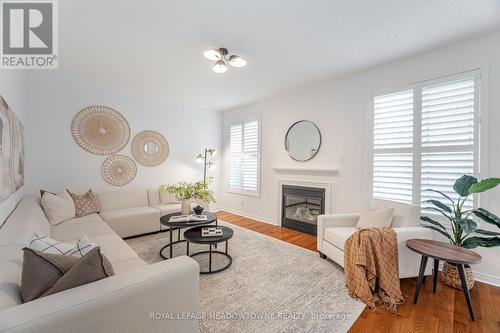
151 148
302 140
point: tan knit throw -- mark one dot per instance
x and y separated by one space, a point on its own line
371 268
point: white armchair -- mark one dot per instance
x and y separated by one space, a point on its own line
335 229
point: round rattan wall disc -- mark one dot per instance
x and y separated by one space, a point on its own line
118 170
150 148
100 130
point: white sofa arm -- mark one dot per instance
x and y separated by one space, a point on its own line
409 261
129 302
333 220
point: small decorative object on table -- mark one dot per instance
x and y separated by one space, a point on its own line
185 192
198 209
465 231
211 232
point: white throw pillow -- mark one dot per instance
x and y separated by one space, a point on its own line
48 245
381 217
58 208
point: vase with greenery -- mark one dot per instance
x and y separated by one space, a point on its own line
463 230
185 192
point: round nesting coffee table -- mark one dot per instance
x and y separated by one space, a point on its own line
164 220
193 235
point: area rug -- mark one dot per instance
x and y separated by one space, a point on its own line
271 286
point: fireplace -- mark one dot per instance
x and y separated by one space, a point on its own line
301 207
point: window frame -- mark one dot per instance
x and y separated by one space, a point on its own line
417 148
242 121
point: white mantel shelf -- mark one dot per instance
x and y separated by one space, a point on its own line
306 170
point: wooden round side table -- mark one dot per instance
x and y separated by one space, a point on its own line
449 253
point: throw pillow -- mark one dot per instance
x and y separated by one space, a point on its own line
48 245
45 274
58 207
376 218
85 204
41 271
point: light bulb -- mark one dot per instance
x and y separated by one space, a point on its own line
212 152
237 61
220 67
212 54
199 158
211 165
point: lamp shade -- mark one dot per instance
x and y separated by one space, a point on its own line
220 67
212 54
199 158
237 61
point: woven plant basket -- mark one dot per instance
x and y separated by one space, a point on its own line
451 278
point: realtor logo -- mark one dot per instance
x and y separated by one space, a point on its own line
29 34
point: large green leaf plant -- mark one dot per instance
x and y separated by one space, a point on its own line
465 232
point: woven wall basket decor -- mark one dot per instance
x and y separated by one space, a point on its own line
118 170
100 130
150 148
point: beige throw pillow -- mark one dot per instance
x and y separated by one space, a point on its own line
58 207
85 204
376 218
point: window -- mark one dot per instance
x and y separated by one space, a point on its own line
244 158
425 138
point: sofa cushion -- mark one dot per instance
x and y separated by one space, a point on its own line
381 218
153 197
128 222
58 207
128 265
10 284
92 225
123 199
171 208
114 248
49 245
338 236
405 215
167 198
26 219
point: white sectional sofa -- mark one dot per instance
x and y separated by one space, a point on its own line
124 302
335 229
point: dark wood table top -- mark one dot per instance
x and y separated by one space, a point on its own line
443 251
165 220
193 235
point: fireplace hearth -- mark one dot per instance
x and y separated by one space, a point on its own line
301 207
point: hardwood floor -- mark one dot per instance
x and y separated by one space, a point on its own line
443 312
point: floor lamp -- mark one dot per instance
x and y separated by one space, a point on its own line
202 158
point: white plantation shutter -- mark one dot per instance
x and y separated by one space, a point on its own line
244 157
392 145
448 138
425 138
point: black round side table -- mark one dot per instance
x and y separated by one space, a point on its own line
193 235
165 220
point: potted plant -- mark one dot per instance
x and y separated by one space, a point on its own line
185 192
465 231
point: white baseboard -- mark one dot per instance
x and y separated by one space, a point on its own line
487 278
250 216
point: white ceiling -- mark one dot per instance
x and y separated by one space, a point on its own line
156 45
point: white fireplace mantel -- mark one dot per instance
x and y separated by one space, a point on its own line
316 171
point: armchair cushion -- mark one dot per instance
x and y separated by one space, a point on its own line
338 236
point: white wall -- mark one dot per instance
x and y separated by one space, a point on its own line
55 162
13 89
340 107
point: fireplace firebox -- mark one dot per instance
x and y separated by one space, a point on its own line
301 207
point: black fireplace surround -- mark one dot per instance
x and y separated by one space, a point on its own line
301 206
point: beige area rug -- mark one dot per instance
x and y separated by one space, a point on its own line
271 286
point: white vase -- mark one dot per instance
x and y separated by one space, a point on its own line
186 207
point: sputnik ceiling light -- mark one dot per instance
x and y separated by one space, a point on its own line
220 56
